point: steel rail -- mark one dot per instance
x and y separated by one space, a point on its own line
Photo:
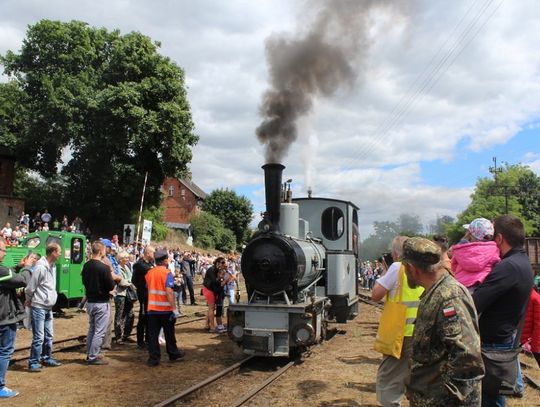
80 338
202 384
367 300
248 396
533 382
72 338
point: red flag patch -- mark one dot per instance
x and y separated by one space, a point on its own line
449 311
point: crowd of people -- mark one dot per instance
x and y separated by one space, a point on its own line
160 279
455 316
41 221
450 312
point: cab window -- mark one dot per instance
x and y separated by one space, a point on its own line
332 222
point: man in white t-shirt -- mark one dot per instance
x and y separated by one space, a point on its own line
393 372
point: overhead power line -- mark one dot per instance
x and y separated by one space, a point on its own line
430 75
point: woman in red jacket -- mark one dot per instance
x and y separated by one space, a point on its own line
530 337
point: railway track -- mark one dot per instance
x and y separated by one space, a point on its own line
186 395
531 380
81 341
367 299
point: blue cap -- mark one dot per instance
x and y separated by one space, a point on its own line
106 242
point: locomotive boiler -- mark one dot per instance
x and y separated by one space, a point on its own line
300 271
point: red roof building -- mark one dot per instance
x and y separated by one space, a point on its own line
182 199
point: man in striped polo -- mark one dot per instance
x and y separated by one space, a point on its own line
162 312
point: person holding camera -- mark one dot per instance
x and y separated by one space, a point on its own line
214 293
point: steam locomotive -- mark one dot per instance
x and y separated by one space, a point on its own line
300 271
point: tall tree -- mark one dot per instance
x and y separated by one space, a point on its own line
234 211
409 225
516 188
108 104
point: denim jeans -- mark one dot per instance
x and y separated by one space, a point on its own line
500 401
178 299
42 335
7 346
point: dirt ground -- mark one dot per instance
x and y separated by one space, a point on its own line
340 372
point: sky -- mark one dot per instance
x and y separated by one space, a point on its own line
435 90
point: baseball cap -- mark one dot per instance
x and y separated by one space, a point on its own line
106 242
160 255
481 229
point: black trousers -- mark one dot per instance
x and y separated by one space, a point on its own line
155 323
188 282
142 324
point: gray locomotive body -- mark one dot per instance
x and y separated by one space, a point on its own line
300 272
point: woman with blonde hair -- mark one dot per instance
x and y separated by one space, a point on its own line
123 315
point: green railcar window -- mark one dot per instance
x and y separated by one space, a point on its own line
32 242
76 251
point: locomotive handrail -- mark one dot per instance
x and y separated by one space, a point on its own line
268 297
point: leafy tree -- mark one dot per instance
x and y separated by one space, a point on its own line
42 194
488 200
234 211
409 225
440 225
379 242
108 105
209 232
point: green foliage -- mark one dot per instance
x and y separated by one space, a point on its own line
234 211
379 242
41 194
210 233
108 104
488 200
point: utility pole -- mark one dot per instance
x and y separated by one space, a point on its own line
499 189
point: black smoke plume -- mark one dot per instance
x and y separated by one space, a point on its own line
325 57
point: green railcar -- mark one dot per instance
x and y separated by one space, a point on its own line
69 266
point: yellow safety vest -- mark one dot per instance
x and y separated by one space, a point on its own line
410 297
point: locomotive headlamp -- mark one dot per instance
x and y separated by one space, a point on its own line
237 332
303 334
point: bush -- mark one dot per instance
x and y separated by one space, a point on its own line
209 232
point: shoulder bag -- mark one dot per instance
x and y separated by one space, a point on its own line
131 293
389 339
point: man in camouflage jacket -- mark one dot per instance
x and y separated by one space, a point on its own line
446 362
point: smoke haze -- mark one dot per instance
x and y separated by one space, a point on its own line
327 56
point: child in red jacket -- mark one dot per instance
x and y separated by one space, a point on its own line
530 337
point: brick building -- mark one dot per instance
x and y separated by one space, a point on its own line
11 207
182 199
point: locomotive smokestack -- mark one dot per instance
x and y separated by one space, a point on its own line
272 186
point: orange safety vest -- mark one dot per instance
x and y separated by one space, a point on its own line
157 295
